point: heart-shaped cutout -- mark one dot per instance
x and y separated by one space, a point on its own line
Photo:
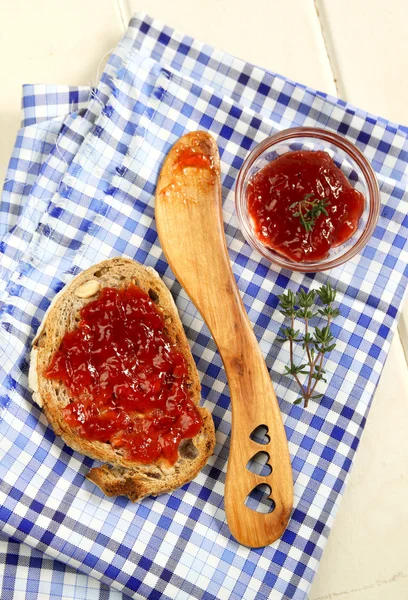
259 500
259 465
260 435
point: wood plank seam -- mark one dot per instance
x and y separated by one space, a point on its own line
124 12
319 9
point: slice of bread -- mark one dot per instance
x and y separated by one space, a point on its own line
119 476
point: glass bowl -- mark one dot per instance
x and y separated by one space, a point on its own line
347 157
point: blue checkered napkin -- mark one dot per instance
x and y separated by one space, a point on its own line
28 574
44 109
93 198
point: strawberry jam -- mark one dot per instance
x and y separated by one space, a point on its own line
301 205
128 383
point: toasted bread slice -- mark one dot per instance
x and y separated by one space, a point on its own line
120 476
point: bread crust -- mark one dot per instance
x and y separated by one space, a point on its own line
120 476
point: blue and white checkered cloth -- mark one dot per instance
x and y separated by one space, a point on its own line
80 188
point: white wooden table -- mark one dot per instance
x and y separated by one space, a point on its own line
355 49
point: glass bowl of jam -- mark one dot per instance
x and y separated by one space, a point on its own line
307 199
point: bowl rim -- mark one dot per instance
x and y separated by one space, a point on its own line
351 150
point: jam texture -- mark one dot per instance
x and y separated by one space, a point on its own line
129 385
277 192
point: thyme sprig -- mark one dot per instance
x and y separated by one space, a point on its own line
317 342
309 210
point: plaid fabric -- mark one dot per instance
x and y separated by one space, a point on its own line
44 108
85 191
29 574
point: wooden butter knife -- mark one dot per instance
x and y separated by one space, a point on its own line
190 227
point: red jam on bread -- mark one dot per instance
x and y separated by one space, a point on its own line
128 383
283 198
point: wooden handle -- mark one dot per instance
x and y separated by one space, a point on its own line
254 403
190 226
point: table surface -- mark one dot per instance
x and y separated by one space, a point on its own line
350 48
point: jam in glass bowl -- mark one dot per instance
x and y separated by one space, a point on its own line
307 199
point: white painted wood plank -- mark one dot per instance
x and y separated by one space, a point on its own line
366 556
50 42
368 47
